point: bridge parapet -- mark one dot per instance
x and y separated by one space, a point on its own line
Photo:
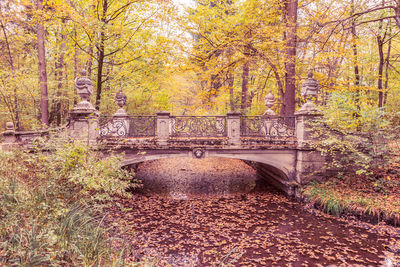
168 130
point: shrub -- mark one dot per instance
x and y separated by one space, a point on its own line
358 141
49 204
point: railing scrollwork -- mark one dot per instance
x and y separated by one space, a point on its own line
113 127
142 126
127 126
267 126
198 126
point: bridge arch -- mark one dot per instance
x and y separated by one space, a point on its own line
276 167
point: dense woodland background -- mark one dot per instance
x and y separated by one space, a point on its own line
211 58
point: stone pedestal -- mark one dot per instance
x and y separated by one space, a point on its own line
233 128
309 161
304 130
84 124
9 137
163 127
84 118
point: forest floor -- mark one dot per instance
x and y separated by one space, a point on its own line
371 200
254 228
374 198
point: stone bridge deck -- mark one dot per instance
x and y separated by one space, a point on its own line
276 144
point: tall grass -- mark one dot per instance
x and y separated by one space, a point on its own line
336 200
50 201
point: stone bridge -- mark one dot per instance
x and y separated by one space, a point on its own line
279 147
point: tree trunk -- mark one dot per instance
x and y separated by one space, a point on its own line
76 65
57 107
60 94
100 71
11 61
76 61
357 78
289 101
100 60
44 98
380 42
245 83
387 69
230 81
89 63
380 70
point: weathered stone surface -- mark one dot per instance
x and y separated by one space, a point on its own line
233 125
84 125
9 138
163 127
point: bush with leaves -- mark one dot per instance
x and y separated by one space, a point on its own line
358 139
50 201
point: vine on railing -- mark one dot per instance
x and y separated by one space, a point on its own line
267 126
198 126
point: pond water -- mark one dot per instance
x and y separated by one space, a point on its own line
257 228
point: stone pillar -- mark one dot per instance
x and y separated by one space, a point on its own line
233 128
121 115
9 138
84 125
309 161
163 127
304 128
84 118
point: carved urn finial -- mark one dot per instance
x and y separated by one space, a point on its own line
309 90
269 102
9 126
84 86
120 98
310 87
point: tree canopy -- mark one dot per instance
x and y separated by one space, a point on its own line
210 58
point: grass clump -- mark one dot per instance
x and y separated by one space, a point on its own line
339 196
50 201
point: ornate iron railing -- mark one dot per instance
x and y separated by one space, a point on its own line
129 126
113 127
142 126
267 126
198 126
